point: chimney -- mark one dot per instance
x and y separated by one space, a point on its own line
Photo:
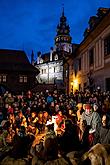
51 53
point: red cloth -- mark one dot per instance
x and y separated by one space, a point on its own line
10 110
91 139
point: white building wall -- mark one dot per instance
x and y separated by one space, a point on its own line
53 71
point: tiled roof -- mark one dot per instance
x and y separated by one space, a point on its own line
15 60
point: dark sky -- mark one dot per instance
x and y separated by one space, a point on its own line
31 24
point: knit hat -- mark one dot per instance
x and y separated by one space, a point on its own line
88 110
87 106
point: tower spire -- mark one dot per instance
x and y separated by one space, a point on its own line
63 30
63 10
63 38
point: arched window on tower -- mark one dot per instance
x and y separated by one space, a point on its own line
56 57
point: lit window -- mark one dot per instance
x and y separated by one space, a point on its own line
66 73
51 70
56 39
56 57
23 79
3 78
41 61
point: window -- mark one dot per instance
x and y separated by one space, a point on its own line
79 64
66 73
56 57
23 79
56 69
91 56
41 61
56 39
44 71
107 46
2 78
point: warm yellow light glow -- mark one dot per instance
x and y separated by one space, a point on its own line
75 81
75 84
71 83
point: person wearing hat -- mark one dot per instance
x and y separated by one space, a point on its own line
92 117
93 122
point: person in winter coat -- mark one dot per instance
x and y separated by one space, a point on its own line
102 134
92 118
49 98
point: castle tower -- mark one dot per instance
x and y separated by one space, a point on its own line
63 38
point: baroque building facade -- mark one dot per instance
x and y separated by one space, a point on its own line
91 62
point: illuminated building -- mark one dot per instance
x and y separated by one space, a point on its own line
51 65
77 67
91 63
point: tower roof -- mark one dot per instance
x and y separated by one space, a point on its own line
63 27
63 30
63 11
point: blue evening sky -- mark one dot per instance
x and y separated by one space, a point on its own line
31 24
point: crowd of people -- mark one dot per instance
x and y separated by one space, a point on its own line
43 128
